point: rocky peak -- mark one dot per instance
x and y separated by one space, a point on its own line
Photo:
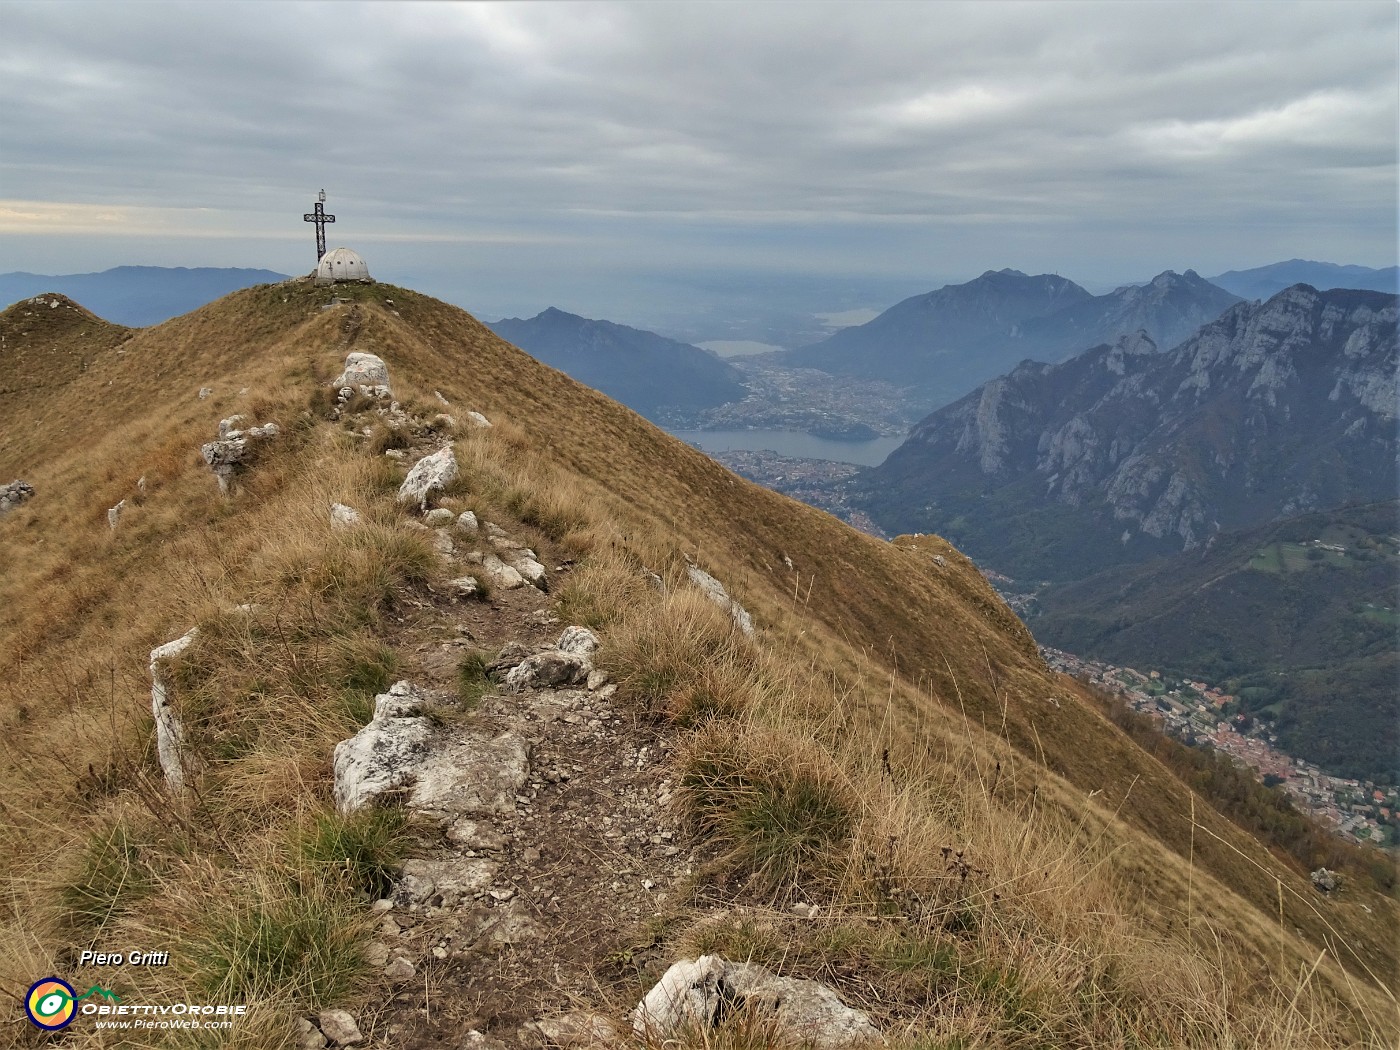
1170 446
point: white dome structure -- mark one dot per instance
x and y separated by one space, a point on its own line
342 264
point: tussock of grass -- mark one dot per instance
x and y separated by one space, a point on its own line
473 681
113 879
269 943
359 851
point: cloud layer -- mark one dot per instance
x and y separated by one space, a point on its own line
1100 140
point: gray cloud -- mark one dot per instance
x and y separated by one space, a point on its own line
1102 140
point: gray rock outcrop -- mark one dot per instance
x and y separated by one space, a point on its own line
13 494
1326 881
446 775
170 733
234 448
366 374
715 591
430 475
344 517
695 995
114 514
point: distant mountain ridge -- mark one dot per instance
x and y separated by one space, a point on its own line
138 296
1122 453
650 374
946 342
1264 282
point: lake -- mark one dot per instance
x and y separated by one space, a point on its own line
793 443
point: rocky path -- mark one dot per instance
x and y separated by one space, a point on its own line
545 836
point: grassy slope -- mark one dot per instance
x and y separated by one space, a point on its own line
923 657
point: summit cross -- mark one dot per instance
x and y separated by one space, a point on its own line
320 218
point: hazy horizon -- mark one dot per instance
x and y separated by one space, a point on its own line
620 159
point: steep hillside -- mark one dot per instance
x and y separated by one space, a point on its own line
946 342
137 295
1312 597
650 374
1056 471
882 787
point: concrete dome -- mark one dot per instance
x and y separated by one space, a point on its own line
342 264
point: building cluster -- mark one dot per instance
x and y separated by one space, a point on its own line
1203 715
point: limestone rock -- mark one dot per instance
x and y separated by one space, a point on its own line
340 1028
309 1037
13 494
550 669
476 835
696 994
717 594
400 969
204 392
169 729
438 517
429 475
471 773
344 517
523 561
502 575
578 1030
476 419
234 448
1326 881
466 521
114 514
364 373
464 587
442 883
578 640
381 757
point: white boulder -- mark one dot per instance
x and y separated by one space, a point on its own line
476 419
364 373
114 514
382 756
429 475
695 995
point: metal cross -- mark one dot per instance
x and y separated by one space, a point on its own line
320 218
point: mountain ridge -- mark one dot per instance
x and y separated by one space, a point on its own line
888 684
946 342
648 373
1124 452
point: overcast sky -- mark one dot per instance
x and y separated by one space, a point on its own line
509 156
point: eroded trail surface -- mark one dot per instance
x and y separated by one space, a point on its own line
542 853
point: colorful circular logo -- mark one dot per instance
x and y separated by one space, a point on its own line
51 1003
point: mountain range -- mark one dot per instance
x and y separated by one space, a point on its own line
1054 471
1264 282
650 374
944 343
137 296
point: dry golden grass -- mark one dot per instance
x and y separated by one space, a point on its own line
891 709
